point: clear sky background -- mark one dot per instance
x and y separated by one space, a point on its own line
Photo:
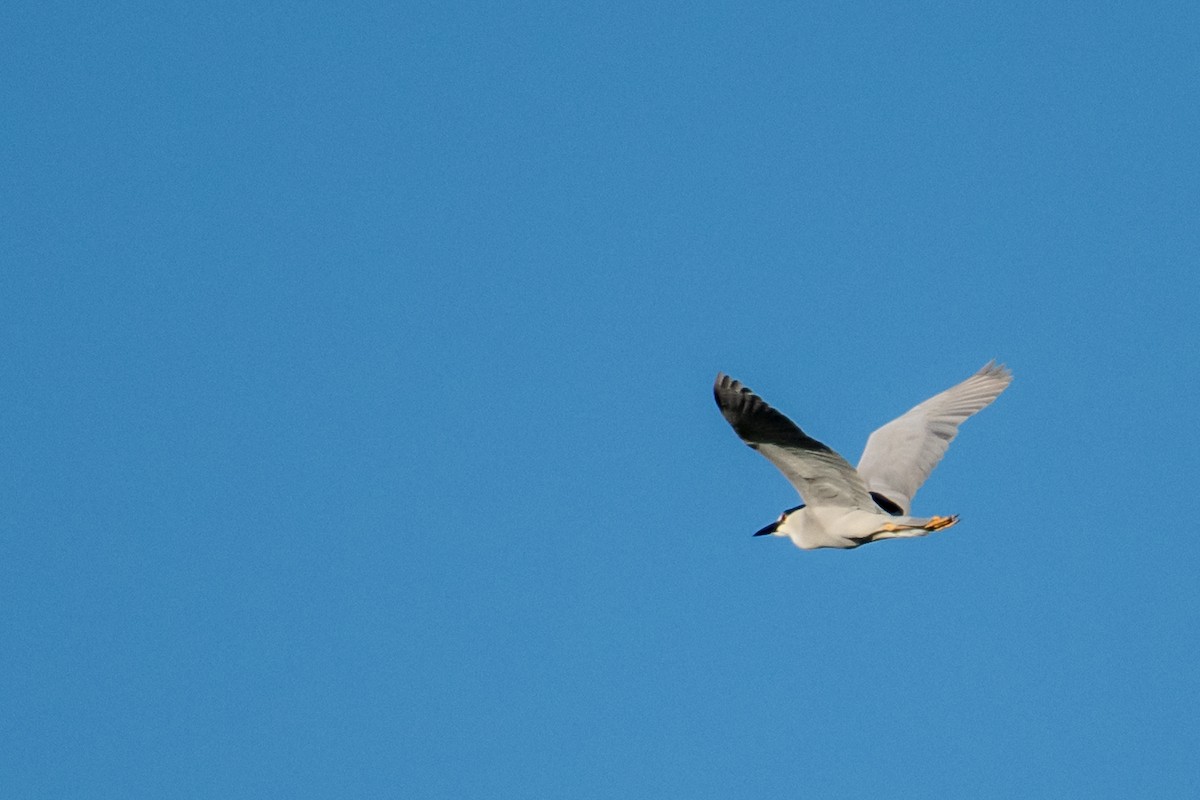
358 436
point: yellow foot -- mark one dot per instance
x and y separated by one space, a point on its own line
937 523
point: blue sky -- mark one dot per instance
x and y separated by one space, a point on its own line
359 435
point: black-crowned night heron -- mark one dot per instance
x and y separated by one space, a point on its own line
846 507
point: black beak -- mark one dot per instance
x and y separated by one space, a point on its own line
767 531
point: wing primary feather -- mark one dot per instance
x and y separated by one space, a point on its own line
755 421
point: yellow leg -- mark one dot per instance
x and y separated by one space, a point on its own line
934 524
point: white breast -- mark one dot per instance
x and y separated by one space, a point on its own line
830 526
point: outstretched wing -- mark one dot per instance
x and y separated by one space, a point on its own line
900 455
820 475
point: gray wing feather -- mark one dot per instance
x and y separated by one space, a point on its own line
821 476
900 455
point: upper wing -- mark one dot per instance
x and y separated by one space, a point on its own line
820 475
900 455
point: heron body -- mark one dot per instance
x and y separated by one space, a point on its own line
810 528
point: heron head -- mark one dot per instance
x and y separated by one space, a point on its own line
774 526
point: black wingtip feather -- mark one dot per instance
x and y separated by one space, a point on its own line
754 420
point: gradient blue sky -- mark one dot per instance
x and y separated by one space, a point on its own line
358 432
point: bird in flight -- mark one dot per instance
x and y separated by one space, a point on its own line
846 507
